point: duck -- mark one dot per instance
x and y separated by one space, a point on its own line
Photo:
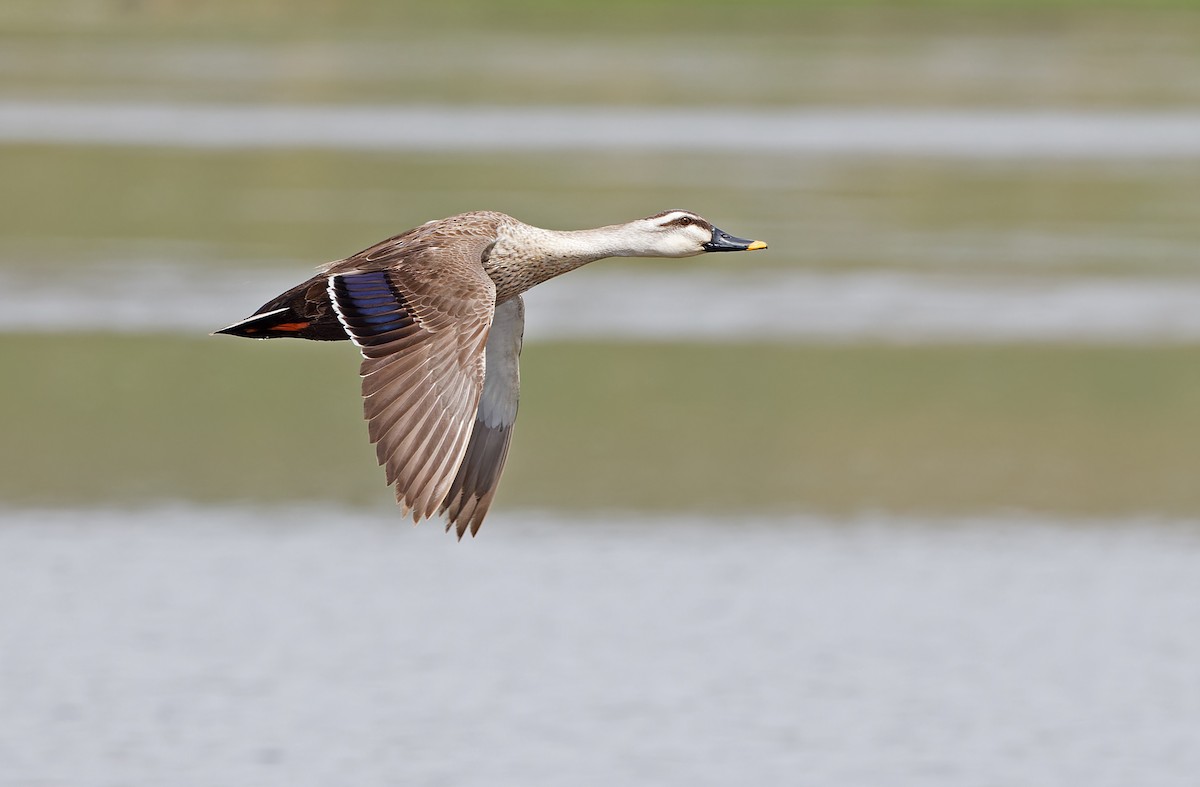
437 314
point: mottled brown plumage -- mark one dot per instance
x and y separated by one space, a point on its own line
437 314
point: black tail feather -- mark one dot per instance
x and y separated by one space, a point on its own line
303 312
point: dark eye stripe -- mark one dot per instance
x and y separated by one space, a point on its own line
685 220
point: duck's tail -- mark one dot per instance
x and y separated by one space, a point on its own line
302 312
269 325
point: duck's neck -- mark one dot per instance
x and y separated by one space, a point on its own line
578 247
525 256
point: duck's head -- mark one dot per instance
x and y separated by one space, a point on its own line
681 233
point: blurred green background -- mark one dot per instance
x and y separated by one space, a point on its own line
118 418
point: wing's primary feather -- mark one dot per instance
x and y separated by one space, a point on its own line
421 316
475 484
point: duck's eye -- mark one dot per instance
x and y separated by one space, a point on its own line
685 221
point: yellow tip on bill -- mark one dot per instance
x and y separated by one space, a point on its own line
756 245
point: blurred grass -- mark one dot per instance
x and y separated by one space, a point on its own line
276 16
1074 430
1039 53
66 206
1070 430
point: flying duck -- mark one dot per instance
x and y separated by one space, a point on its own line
438 316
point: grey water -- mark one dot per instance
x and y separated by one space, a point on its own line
201 646
943 133
754 305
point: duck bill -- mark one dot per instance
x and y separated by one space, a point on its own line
723 241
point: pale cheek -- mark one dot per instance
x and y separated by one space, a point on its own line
685 247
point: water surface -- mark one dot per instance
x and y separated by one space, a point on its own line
315 646
674 305
985 134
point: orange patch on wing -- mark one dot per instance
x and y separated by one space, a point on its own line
290 326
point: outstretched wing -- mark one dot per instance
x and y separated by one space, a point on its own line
420 314
475 484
